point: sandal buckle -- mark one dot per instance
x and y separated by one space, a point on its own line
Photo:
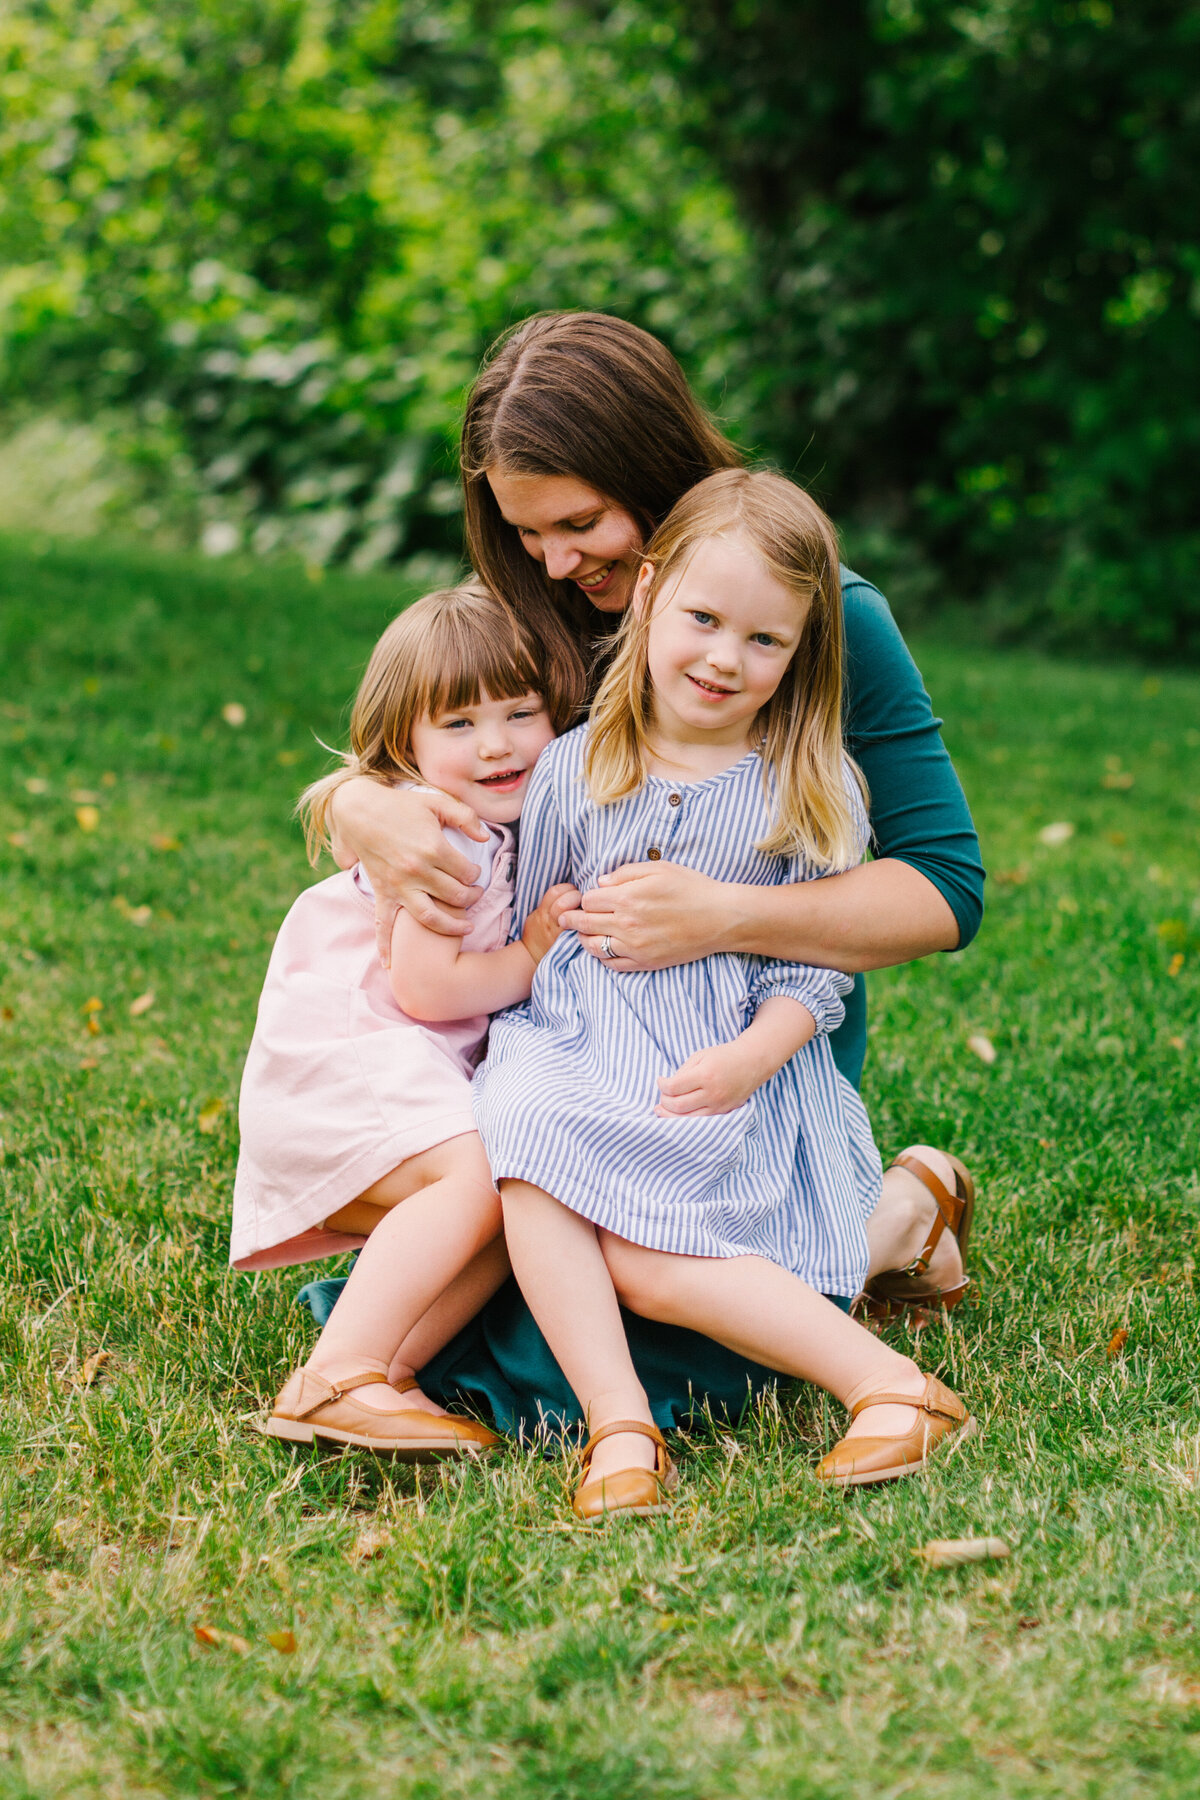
918 1266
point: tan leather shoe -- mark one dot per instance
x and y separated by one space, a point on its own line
887 1296
856 1462
311 1407
631 1491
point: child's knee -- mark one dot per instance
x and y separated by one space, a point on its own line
640 1277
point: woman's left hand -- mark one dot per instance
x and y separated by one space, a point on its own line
657 914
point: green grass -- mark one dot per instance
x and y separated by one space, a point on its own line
766 1638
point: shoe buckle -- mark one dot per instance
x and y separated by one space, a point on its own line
917 1266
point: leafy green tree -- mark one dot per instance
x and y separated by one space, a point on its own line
979 260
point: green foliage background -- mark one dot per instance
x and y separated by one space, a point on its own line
941 260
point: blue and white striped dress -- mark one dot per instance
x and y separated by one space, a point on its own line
566 1097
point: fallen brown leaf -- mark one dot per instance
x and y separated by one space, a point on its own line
234 713
87 817
1118 778
1177 1043
982 1047
164 841
37 784
84 796
283 1641
1117 1343
210 1116
212 1639
369 1543
1176 963
92 1367
139 915
19 840
142 1004
1057 833
951 1553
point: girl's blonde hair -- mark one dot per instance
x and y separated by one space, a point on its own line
450 649
799 731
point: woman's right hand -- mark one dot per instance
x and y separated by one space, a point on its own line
397 836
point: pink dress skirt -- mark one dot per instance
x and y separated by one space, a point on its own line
340 1085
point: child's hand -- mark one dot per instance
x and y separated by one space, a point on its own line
717 1080
543 925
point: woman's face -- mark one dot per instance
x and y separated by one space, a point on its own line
574 532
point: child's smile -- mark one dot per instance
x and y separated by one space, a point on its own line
483 754
720 642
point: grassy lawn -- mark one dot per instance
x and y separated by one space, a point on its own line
454 1635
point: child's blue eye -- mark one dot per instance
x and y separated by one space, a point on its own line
455 724
703 618
764 637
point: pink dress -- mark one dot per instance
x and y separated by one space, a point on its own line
340 1085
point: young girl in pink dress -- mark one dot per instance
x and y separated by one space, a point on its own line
356 1126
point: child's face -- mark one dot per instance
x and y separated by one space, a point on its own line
722 636
482 754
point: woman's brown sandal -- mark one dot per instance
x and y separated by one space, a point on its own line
639 1492
312 1408
857 1462
886 1296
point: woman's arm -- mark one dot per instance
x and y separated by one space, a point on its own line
659 914
923 893
434 979
397 835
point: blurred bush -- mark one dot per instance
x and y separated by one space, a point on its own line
977 240
941 259
275 237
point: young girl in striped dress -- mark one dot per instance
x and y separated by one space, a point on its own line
679 1140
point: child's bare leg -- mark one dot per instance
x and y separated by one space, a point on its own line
467 1294
557 1260
443 1211
770 1316
898 1229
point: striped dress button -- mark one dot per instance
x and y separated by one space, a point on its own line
674 799
654 855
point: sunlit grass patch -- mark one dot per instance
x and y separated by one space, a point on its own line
456 1633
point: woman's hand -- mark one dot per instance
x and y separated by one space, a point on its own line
544 925
397 836
656 913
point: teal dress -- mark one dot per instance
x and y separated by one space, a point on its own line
500 1362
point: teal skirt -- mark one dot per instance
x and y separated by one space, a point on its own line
500 1365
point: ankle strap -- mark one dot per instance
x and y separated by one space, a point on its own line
405 1386
336 1390
937 1400
639 1426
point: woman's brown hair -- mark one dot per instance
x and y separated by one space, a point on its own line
584 395
445 651
799 731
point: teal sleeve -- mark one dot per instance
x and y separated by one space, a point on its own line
919 813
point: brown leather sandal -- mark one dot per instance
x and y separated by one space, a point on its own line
310 1407
858 1462
888 1295
639 1492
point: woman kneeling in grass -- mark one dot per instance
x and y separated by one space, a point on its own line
680 1139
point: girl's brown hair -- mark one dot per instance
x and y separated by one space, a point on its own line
583 395
799 731
450 649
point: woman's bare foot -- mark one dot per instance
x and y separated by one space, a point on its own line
899 1228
